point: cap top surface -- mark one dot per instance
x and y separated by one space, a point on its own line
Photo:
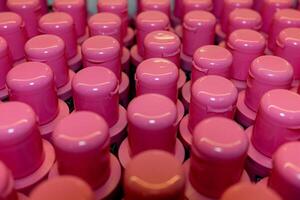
152 20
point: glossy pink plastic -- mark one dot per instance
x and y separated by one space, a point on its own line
288 42
62 188
102 51
218 8
191 5
228 7
277 121
285 173
197 23
211 96
6 65
154 174
219 151
12 29
83 151
244 18
30 11
163 6
243 191
269 8
19 136
76 9
163 44
245 45
282 19
50 49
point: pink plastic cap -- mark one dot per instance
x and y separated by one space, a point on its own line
269 8
96 89
33 83
277 121
83 151
102 51
282 19
266 73
197 23
5 62
284 178
12 29
211 60
118 7
155 175
249 191
219 151
30 11
158 5
19 133
191 5
245 45
76 9
288 42
163 44
106 23
151 123
62 188
62 25
211 96
156 75
147 22
7 191
49 49
228 7
244 18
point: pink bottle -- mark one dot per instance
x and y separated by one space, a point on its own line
78 11
196 23
62 25
228 7
277 122
62 188
109 24
30 11
163 6
160 76
120 8
207 60
146 22
284 178
257 5
83 151
211 95
104 51
6 65
96 89
284 18
219 151
12 29
266 73
50 49
44 6
244 18
154 175
7 190
287 44
245 45
218 6
23 151
152 124
165 44
3 6
269 8
249 191
177 13
33 83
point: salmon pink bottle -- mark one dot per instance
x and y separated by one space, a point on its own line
6 65
154 175
152 124
83 151
219 151
163 6
19 118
